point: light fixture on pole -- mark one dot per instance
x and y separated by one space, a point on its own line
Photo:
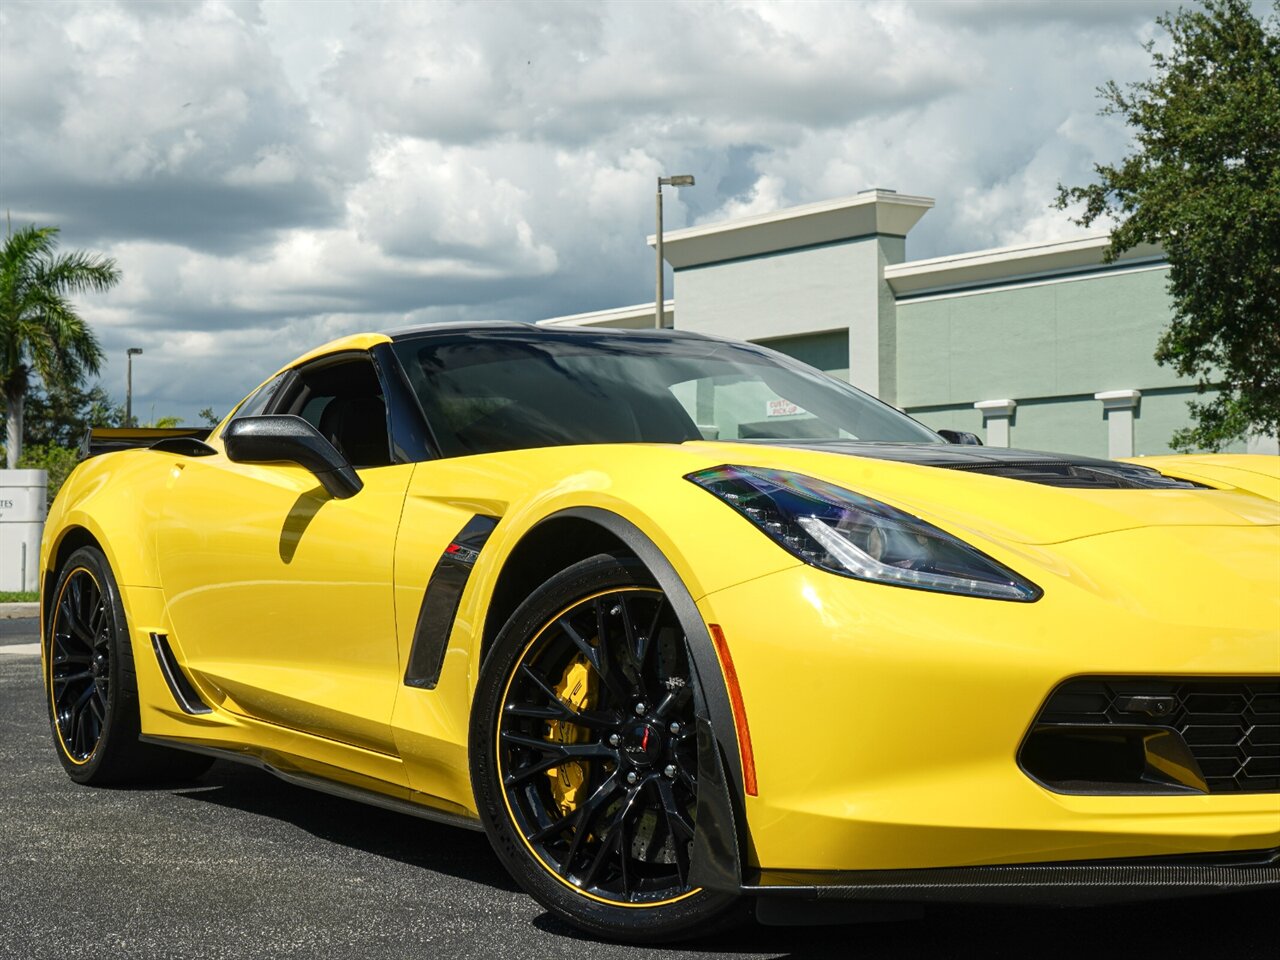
659 303
128 385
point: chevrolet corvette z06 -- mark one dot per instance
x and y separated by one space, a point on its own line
683 625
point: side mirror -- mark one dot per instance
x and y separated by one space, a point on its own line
961 437
287 439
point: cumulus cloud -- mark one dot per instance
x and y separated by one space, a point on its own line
272 174
158 121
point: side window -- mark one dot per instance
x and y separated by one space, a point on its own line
258 400
342 399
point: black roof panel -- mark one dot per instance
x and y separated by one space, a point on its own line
495 326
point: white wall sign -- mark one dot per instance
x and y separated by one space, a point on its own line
22 512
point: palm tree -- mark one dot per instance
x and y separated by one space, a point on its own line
40 331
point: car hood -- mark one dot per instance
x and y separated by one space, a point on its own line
1016 495
1257 474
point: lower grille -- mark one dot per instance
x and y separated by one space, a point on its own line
1214 735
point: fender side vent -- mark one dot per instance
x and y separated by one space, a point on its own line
440 602
184 694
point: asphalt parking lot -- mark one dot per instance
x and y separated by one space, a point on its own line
241 865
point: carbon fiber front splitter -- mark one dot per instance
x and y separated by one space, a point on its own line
792 896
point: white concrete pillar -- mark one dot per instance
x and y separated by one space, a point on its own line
22 510
996 415
1118 408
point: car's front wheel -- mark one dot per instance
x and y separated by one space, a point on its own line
91 686
584 755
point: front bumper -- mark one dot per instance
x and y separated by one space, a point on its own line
886 722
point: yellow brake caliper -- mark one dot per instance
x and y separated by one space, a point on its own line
577 689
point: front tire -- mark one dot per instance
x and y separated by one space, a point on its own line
583 755
91 685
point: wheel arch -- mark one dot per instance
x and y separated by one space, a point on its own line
130 562
551 545
568 536
70 539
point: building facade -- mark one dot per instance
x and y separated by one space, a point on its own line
1041 346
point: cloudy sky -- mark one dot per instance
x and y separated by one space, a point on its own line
273 174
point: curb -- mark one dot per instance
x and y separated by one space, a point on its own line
19 611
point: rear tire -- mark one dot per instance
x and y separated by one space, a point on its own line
593 671
92 687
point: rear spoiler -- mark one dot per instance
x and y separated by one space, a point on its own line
109 439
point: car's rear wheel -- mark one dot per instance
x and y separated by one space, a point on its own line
91 685
584 757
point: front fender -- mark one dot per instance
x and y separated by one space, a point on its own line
116 498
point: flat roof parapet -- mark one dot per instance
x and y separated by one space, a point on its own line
981 268
638 316
877 211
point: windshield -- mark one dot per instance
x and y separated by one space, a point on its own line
485 391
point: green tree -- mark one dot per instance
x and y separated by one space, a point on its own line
62 416
1203 181
54 425
57 461
40 331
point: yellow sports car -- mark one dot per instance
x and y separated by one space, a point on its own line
684 626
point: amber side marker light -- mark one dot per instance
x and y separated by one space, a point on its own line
739 710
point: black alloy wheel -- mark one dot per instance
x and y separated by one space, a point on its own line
625 835
80 664
585 754
92 686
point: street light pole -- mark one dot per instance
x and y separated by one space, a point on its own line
128 384
659 303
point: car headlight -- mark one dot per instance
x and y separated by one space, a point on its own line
839 531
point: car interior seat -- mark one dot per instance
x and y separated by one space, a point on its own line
357 427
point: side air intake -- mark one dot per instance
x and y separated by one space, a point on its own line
184 694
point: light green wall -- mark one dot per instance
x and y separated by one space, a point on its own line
1050 347
1077 424
890 250
1158 416
1050 344
831 286
828 351
1066 424
779 294
950 418
1162 412
1050 340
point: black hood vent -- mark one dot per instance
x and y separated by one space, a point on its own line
1062 473
1051 469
